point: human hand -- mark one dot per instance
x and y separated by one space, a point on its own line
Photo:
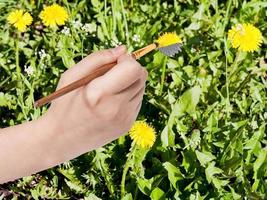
99 112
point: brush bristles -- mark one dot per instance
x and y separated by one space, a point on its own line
171 50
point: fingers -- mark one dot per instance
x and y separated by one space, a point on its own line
135 112
138 95
94 61
131 91
121 76
136 100
138 107
137 88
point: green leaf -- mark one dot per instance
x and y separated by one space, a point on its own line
67 57
211 170
4 101
145 185
167 137
157 194
74 186
259 168
190 99
186 103
254 142
128 196
138 158
174 174
204 157
71 180
92 196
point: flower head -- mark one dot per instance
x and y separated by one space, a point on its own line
77 24
245 37
136 38
89 28
19 19
54 15
168 39
142 134
29 70
42 54
65 31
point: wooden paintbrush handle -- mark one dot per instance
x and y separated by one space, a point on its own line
83 81
141 52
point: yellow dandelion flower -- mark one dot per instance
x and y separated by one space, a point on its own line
54 15
19 19
245 37
168 39
142 134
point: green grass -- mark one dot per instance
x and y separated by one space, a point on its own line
207 104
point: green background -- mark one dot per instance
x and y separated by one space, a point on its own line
207 104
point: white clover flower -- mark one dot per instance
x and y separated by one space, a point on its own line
86 28
136 38
29 70
77 24
89 28
254 125
65 31
42 53
115 42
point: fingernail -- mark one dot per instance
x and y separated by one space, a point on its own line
119 49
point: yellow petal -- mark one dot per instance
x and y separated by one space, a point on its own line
245 37
14 16
168 39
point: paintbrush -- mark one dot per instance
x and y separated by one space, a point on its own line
168 43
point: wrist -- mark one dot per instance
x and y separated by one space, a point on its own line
58 144
47 139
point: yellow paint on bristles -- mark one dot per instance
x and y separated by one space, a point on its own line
168 39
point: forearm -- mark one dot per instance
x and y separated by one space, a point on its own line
24 149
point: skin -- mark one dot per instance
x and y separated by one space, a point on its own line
80 121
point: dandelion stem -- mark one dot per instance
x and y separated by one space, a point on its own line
126 168
17 56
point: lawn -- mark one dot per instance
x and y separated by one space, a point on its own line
207 104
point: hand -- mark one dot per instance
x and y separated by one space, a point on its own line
99 112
